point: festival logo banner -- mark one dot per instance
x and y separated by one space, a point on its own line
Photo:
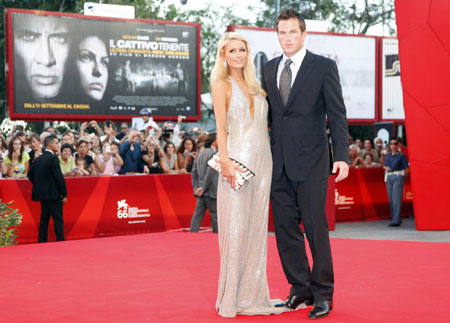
75 67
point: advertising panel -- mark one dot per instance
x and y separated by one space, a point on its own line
355 57
391 89
73 67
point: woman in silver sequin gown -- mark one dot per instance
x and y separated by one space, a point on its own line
241 111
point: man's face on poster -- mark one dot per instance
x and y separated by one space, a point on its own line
42 43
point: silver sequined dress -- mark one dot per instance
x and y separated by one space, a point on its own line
243 215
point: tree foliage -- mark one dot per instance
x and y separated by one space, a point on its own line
310 9
213 22
10 219
346 16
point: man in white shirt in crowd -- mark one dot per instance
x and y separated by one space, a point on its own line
145 122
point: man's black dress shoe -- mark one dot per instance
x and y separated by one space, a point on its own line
394 225
320 309
294 301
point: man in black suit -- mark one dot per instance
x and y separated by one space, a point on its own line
49 187
303 90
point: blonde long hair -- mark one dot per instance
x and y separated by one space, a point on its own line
220 70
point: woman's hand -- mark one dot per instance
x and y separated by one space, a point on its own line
229 171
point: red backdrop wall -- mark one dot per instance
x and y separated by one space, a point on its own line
424 40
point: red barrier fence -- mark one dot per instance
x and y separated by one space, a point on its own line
110 205
118 205
363 196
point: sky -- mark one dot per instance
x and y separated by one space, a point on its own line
201 4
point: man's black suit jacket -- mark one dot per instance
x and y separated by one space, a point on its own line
47 178
298 130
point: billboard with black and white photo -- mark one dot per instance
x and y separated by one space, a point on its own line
74 67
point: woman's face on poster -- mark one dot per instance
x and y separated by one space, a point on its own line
42 43
92 65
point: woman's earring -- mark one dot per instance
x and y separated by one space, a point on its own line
225 64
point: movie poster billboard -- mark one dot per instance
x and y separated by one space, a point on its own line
354 55
74 67
391 90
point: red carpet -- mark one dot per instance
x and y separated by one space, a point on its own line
172 277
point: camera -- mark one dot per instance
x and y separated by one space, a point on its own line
167 133
108 149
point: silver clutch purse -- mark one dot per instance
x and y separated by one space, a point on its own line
242 176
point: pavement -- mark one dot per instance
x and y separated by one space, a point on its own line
379 230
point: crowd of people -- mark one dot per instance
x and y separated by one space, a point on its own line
364 154
145 147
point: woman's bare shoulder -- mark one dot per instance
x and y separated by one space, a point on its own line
221 84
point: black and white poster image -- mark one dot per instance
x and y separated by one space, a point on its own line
41 53
80 66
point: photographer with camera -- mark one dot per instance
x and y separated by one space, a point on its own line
379 147
110 133
122 136
107 161
171 132
130 151
90 127
145 123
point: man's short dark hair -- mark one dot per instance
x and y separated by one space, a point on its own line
49 139
210 139
287 14
67 146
